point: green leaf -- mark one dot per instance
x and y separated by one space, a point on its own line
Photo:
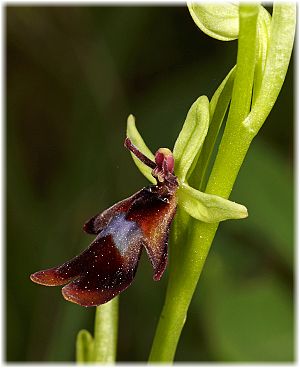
84 347
225 88
190 140
217 108
138 141
207 207
281 41
220 21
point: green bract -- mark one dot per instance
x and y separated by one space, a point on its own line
220 21
264 23
217 110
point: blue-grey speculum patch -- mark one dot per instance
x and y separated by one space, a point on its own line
121 229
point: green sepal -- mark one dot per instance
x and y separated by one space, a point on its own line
208 207
190 140
84 347
138 141
220 20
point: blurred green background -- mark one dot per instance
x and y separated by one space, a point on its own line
73 75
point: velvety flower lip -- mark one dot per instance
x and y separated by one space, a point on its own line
109 264
101 271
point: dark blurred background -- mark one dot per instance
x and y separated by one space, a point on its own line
73 75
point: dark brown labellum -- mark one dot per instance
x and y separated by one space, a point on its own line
108 265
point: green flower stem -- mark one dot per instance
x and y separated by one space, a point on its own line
180 291
106 332
242 90
234 145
